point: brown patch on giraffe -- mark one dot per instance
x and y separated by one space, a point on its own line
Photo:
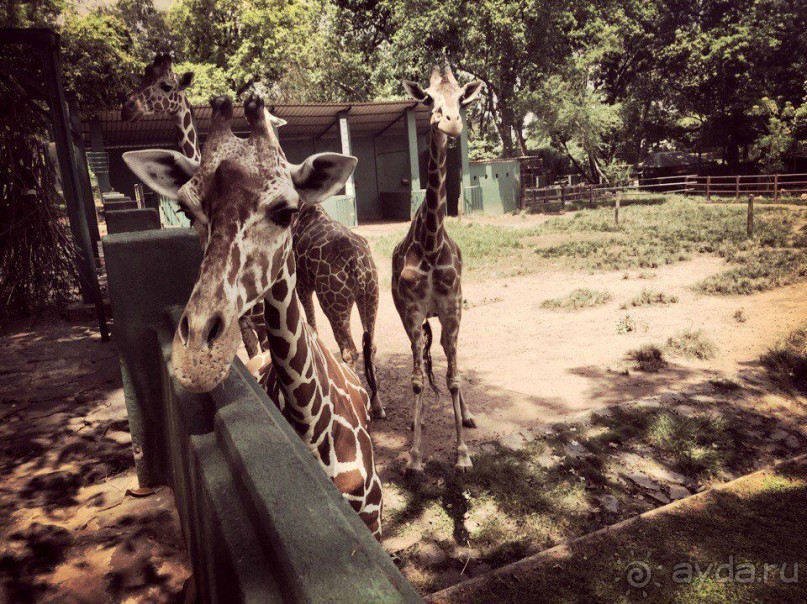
344 442
323 422
349 482
324 450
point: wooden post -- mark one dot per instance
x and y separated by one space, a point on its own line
591 196
708 188
138 191
749 226
616 207
737 188
775 188
562 197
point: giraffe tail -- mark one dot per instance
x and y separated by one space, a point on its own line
427 357
369 368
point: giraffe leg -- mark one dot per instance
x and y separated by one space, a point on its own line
368 308
415 464
449 341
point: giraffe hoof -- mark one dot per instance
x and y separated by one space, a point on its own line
464 465
469 422
413 470
379 413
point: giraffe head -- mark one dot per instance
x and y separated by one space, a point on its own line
248 194
160 91
446 98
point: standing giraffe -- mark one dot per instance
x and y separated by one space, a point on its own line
162 91
250 194
427 264
332 261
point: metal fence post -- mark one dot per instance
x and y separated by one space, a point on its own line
616 207
708 188
737 188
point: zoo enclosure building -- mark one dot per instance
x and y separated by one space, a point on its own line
389 138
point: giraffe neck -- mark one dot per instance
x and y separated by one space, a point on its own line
290 347
433 211
187 136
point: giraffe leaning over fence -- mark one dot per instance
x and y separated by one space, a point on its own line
427 264
332 261
248 195
161 91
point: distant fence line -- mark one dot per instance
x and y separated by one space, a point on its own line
776 186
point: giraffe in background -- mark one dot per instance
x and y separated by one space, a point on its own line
250 194
427 264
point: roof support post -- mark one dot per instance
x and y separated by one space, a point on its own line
88 276
412 140
344 137
464 162
97 145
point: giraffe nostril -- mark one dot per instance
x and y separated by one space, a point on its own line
216 325
183 330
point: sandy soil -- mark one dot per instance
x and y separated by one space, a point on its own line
71 529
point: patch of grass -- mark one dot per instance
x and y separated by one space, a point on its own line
757 271
649 297
739 316
691 344
763 513
695 446
648 358
625 325
654 236
579 298
786 361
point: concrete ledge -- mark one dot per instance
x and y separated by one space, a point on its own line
128 221
262 521
120 204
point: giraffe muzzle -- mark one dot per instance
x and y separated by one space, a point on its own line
203 350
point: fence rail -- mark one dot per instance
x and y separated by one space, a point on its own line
776 186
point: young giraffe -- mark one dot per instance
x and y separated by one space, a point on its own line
250 194
332 261
427 264
162 91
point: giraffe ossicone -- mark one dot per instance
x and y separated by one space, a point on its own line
250 195
427 263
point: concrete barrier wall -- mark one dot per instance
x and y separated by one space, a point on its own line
262 521
126 221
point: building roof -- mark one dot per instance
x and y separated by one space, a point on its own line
305 121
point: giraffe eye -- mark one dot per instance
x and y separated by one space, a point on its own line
166 87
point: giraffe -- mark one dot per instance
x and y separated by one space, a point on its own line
162 91
332 261
250 194
427 264
337 264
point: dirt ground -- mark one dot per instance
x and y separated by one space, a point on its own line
71 532
74 526
524 365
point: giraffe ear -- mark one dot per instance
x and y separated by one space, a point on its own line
470 91
322 175
416 92
162 170
277 122
185 80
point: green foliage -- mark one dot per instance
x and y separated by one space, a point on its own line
98 59
208 81
648 297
